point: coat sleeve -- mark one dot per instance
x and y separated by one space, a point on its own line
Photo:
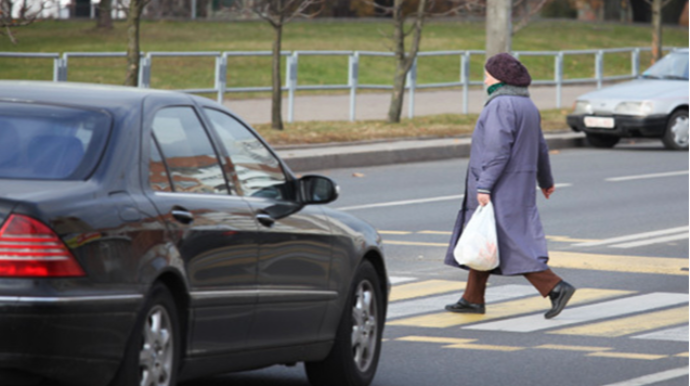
544 176
498 139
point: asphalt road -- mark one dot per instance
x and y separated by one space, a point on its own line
617 228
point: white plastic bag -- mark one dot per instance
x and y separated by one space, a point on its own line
478 244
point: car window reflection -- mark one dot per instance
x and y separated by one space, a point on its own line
259 173
190 157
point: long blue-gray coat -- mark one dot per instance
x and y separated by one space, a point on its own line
508 158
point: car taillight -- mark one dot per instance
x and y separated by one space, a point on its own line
28 248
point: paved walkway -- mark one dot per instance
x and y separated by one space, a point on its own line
374 106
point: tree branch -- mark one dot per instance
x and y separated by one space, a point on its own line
526 18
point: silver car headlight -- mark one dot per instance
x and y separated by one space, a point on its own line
582 107
635 108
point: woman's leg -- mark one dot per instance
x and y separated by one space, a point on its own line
476 286
543 281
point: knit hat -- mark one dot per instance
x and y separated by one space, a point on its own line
509 70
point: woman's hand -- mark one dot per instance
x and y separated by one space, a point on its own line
548 191
483 198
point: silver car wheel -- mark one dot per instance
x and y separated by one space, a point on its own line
364 326
680 131
156 356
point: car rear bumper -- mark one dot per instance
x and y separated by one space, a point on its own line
625 125
76 340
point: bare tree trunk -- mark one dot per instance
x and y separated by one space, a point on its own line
404 59
133 51
656 30
498 26
277 99
105 18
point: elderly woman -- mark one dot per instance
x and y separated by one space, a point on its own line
509 156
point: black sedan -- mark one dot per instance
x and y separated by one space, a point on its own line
150 237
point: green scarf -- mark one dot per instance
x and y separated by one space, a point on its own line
494 87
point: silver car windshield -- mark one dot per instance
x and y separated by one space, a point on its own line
671 66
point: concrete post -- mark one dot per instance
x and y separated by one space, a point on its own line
412 82
291 79
221 76
599 68
465 79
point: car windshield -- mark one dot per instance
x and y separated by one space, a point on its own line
671 66
49 142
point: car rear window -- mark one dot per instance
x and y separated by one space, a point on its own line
50 142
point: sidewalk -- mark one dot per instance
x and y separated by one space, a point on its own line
335 156
374 106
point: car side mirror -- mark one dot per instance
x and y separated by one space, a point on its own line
316 189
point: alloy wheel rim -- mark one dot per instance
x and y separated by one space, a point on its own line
680 131
364 326
156 356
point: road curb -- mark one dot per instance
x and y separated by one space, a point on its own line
396 152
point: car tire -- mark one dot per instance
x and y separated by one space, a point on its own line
602 141
355 354
153 351
676 135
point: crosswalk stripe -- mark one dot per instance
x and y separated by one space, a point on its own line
654 378
587 313
436 303
626 355
424 288
617 263
572 348
400 279
656 240
677 334
630 325
505 309
465 344
636 236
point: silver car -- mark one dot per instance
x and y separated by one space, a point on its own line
654 106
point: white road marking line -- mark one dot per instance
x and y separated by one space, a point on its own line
437 303
654 378
656 240
644 176
637 236
419 201
405 202
400 279
676 334
587 313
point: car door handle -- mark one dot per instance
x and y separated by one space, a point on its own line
183 216
265 220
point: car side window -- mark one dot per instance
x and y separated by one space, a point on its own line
188 153
159 180
258 172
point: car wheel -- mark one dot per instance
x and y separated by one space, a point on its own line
602 141
676 135
355 354
152 354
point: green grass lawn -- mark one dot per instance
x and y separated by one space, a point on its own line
181 73
435 126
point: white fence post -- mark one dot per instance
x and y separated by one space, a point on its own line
353 81
465 79
412 82
63 69
145 71
599 67
291 84
559 78
221 75
635 62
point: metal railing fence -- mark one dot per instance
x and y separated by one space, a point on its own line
291 85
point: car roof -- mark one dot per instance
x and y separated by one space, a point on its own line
80 94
